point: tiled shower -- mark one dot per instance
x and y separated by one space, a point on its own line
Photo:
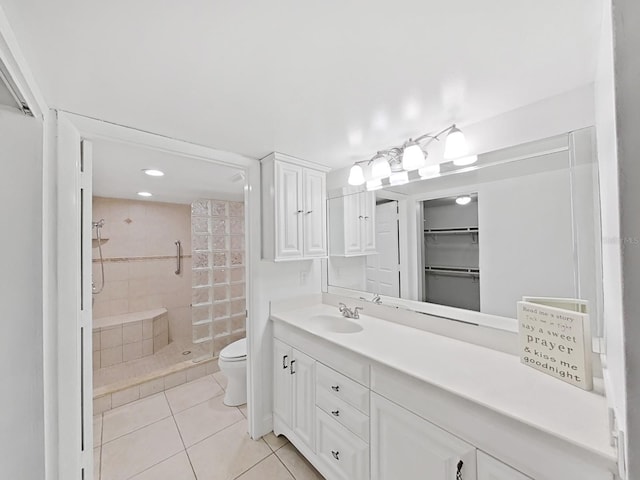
155 328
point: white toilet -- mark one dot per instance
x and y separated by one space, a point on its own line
233 363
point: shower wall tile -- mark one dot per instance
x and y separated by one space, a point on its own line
144 229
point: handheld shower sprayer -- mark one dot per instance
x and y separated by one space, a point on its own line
98 226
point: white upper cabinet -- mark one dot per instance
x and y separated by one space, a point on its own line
294 213
353 226
404 445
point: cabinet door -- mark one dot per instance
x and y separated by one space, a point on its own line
491 469
288 223
368 221
303 370
315 214
353 221
404 445
282 381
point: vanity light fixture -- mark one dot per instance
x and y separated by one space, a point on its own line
153 172
145 194
463 200
395 162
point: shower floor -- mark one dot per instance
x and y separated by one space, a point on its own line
159 362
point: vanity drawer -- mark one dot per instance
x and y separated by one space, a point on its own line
342 453
332 382
342 412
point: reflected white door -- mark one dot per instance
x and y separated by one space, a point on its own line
383 269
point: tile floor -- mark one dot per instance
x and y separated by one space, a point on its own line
187 433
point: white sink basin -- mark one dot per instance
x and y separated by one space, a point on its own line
335 324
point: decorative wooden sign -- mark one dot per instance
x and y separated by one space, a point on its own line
555 338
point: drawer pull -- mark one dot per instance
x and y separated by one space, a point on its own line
335 454
284 360
335 413
459 470
292 371
335 388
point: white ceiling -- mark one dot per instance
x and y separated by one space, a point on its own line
329 81
117 173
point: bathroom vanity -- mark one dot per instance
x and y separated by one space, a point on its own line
374 399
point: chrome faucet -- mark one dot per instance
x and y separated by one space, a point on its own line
376 299
347 312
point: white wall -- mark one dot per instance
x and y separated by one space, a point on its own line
21 298
611 260
627 103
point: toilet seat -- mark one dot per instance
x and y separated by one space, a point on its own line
234 352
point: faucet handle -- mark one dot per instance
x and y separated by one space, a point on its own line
342 307
355 312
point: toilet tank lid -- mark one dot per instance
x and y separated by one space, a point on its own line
236 349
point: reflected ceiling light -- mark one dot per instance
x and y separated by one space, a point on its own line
468 160
399 178
356 175
153 173
463 200
375 184
429 171
145 194
412 155
455 145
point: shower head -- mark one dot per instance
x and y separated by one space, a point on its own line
98 224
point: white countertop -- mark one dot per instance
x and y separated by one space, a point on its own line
495 380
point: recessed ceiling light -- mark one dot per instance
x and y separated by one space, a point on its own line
153 173
145 194
463 200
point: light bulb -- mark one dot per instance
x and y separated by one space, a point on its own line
374 184
356 175
153 172
399 178
455 144
429 171
412 156
463 200
469 160
380 168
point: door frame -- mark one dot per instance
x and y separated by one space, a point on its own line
71 130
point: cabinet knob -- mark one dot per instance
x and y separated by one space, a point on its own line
360 217
335 388
292 371
459 470
335 413
299 212
284 361
335 454
309 212
366 218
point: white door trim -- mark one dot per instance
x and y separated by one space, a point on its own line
71 129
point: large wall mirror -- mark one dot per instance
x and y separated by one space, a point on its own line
467 245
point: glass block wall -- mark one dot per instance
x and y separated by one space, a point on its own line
218 309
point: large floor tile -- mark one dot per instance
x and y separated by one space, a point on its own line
227 454
268 469
297 464
185 396
221 378
275 442
205 419
130 417
97 430
96 463
177 467
137 451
